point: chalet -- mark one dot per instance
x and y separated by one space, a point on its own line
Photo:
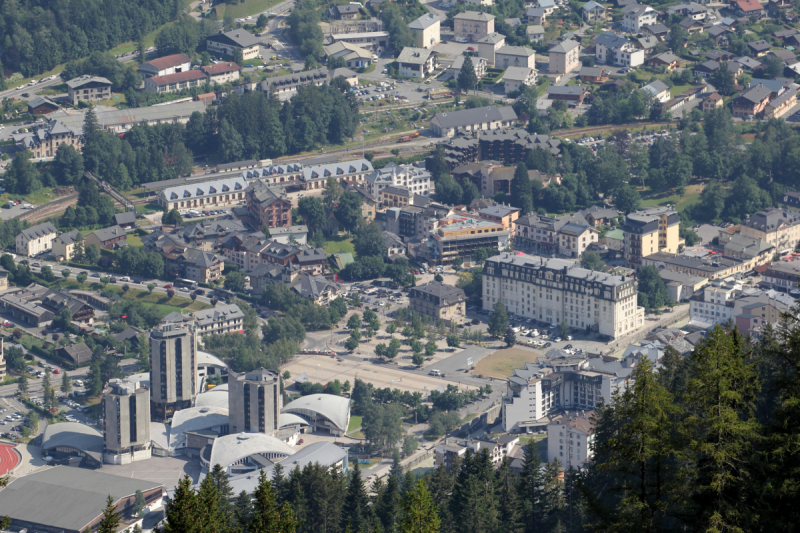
691 25
658 90
107 238
659 31
163 66
667 60
125 220
712 102
593 74
593 12
719 34
751 102
41 105
748 8
786 56
781 105
568 93
759 48
344 11
719 55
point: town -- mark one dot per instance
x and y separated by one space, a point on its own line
445 266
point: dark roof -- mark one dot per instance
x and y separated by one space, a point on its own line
39 230
128 217
220 68
474 116
239 37
108 234
166 62
759 46
78 353
568 90
448 294
756 94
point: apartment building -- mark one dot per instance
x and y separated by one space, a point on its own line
473 120
426 30
222 72
564 57
438 301
472 26
615 49
753 312
416 180
782 275
568 235
36 239
636 17
226 43
649 231
517 78
776 226
709 267
515 56
171 83
489 45
255 402
570 439
173 369
417 62
88 89
163 66
461 236
504 214
268 206
213 194
219 320
714 304
557 290
126 431
43 141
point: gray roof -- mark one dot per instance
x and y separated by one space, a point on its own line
73 435
568 90
498 210
229 449
448 294
756 94
592 71
80 81
655 87
193 419
589 6
474 15
474 116
656 28
69 238
221 312
201 190
128 217
517 73
776 86
240 37
425 21
492 38
40 230
565 47
667 57
65 498
334 408
36 101
611 40
521 51
414 55
771 219
107 234
573 270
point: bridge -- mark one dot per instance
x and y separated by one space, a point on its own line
111 191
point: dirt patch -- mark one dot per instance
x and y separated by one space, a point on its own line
501 363
64 191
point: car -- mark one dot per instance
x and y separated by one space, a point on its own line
25 95
568 347
95 275
557 339
184 289
168 286
471 49
37 264
569 337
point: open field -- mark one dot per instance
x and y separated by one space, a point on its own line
690 197
248 7
501 363
339 245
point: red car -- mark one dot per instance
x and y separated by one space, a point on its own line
471 49
167 286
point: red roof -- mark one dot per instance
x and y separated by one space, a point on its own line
749 5
179 77
169 61
220 68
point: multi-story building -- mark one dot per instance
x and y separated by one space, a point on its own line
316 176
43 141
557 290
88 89
218 193
426 30
636 16
615 49
709 267
517 78
438 301
472 26
504 214
173 368
473 120
489 45
570 439
171 83
223 72
163 66
219 320
515 56
751 102
714 304
782 275
568 235
36 239
416 180
461 236
268 206
126 417
564 57
193 264
776 226
226 43
107 238
354 56
593 12
254 402
417 62
649 231
753 312
479 65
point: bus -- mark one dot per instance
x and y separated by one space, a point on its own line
189 284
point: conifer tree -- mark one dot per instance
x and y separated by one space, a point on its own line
268 516
110 520
441 484
473 505
357 515
419 511
181 515
531 487
467 79
388 505
220 479
243 510
209 517
673 373
507 500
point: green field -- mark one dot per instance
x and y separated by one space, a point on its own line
248 7
690 197
42 196
355 423
339 244
134 240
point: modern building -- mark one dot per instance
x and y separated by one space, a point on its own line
558 290
460 235
426 30
438 301
371 40
517 78
88 89
163 66
173 369
126 415
570 439
564 57
324 412
414 179
778 227
636 16
74 444
472 26
354 56
254 402
615 49
219 320
171 83
226 43
515 56
36 239
650 231
417 62
473 120
714 304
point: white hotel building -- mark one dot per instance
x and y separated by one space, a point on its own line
557 290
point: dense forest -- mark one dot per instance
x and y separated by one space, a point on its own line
37 35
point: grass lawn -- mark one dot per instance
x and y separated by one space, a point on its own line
149 40
248 7
501 363
134 240
53 90
469 417
358 435
690 197
541 444
678 89
42 196
355 423
372 461
148 208
176 303
339 244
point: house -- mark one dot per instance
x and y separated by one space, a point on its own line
126 219
175 82
353 55
759 48
658 90
295 234
162 66
268 206
417 62
76 353
515 78
349 11
472 26
549 6
64 245
708 68
471 120
41 105
536 15
777 107
489 45
659 31
222 72
108 238
751 102
776 6
666 60
36 239
438 301
568 93
227 43
599 215
534 32
593 12
647 43
478 63
636 16
564 57
426 30
691 25
219 320
748 8
614 49
504 214
719 55
515 56
712 102
593 74
719 34
43 141
87 89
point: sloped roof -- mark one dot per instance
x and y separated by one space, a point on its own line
166 62
73 435
229 449
425 21
40 230
334 408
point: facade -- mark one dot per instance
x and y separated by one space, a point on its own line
710 267
593 12
472 26
226 43
753 312
223 72
171 83
782 275
126 412
650 231
752 102
173 369
44 141
41 105
479 64
564 57
413 180
426 30
712 102
658 90
556 290
268 206
666 60
254 402
417 62
515 56
472 120
288 83
570 439
714 304
371 40
488 46
219 320
637 16
779 228
88 89
516 78
461 236
571 93
353 55
107 238
614 49
36 239
438 301
163 66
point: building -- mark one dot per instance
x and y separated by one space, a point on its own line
790 201
593 74
753 312
516 78
226 43
88 89
36 239
316 176
70 500
534 32
614 49
219 320
472 26
371 40
752 9
564 57
461 236
286 84
488 46
222 72
779 228
43 141
324 412
426 30
41 105
777 107
666 60
536 16
650 231
593 12
126 413
163 66
479 64
268 206
659 31
510 146
681 286
353 55
64 245
349 11
557 290
294 234
107 238
568 93
75 353
413 179
254 402
658 90
710 267
570 439
504 214
173 369
417 62
515 56
438 301
568 235
175 82
712 102
752 102
191 263
753 252
636 16
472 120
783 276
598 215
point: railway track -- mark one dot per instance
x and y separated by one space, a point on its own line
47 210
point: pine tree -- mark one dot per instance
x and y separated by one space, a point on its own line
467 79
531 490
441 484
473 504
110 520
279 483
498 321
673 373
507 499
522 190
243 509
574 514
356 515
722 430
220 480
387 508
419 511
182 512
210 518
268 516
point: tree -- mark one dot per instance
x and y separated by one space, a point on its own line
234 281
356 515
332 192
521 189
181 512
498 320
453 341
82 277
66 384
592 261
172 218
313 212
652 289
564 329
139 503
268 516
110 520
348 211
419 511
430 348
22 384
418 359
354 322
627 199
369 241
723 80
510 337
467 79
351 344
92 254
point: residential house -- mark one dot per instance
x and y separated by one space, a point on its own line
747 63
712 102
288 83
470 120
564 57
75 353
175 82
394 244
593 12
720 35
88 89
488 46
786 56
534 32
43 141
193 264
219 320
41 105
479 64
571 93
472 26
615 49
636 17
751 102
163 66
720 55
567 235
426 30
593 74
226 43
222 72
353 55
659 31
790 201
600 215
64 245
536 15
515 78
708 68
438 301
515 56
349 11
415 180
759 48
36 239
658 90
126 219
549 6
417 62
108 238
315 288
570 439
268 206
752 9
776 7
647 44
777 107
